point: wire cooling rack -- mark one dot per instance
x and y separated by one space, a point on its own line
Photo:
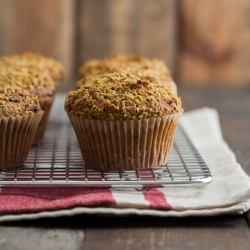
57 160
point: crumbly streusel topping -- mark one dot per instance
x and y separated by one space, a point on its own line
145 68
122 96
29 78
53 67
16 101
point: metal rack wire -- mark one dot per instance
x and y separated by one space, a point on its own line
57 160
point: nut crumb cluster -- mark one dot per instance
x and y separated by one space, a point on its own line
16 101
122 96
147 69
48 64
29 78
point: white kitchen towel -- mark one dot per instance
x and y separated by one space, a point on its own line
228 193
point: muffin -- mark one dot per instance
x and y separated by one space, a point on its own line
20 114
145 68
123 122
51 66
36 82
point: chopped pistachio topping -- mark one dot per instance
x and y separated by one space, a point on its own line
16 101
29 78
148 69
122 96
53 67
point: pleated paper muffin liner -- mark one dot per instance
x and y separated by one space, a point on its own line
125 145
16 137
46 104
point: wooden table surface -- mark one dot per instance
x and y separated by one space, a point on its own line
92 232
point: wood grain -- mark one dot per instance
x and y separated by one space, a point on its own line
168 233
127 26
214 42
44 26
128 233
20 238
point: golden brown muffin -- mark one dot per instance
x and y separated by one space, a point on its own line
20 114
48 64
145 68
38 83
123 122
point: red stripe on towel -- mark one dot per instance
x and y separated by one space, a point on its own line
156 198
32 199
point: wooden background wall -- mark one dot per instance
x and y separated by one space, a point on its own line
202 42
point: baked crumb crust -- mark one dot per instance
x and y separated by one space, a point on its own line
29 78
145 68
53 67
122 96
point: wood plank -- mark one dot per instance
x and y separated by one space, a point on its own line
127 26
94 30
214 42
45 26
129 233
23 238
168 233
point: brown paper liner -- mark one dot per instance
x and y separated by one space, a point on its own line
46 104
125 145
16 137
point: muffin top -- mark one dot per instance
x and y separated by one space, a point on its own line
29 78
16 101
122 96
145 68
53 67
